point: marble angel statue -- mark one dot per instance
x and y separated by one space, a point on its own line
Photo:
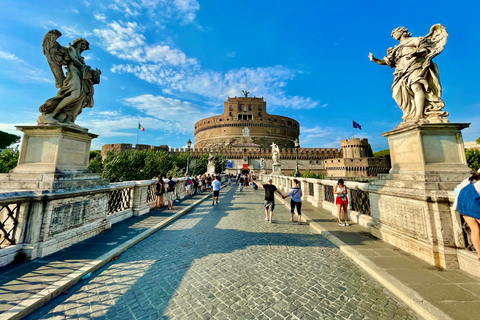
416 87
76 88
275 153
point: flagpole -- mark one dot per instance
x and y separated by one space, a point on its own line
138 129
353 132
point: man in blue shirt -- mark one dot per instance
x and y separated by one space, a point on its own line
216 185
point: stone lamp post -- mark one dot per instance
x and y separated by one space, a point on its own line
189 145
297 145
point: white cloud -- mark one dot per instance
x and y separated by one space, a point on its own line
124 41
75 11
232 54
19 66
184 11
180 116
10 56
100 17
269 82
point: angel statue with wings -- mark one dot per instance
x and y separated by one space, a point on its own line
416 87
76 88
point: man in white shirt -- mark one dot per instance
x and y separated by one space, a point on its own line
216 186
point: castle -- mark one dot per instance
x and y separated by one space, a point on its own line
245 132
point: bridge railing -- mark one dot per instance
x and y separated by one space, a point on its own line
319 192
30 219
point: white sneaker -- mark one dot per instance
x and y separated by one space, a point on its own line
346 224
341 224
266 219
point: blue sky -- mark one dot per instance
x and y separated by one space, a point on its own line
170 63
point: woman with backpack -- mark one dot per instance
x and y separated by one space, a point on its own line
469 207
296 201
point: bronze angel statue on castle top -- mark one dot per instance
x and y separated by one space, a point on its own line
416 87
76 88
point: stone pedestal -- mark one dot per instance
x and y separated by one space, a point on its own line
410 206
52 158
71 203
276 169
211 168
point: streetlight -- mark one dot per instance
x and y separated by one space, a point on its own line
297 145
189 144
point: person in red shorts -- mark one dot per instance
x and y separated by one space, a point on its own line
340 192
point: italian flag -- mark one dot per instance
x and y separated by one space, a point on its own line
140 127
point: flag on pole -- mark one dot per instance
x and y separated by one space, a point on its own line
356 125
140 127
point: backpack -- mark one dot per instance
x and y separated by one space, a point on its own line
469 201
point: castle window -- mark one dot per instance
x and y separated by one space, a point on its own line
229 107
259 113
249 107
220 119
239 107
289 123
259 107
230 114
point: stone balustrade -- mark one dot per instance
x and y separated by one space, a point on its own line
38 224
446 235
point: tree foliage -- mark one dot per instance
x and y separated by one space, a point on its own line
8 160
200 165
7 139
95 165
473 159
478 140
308 174
382 153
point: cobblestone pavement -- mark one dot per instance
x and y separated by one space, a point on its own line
227 262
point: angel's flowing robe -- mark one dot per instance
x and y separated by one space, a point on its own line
415 69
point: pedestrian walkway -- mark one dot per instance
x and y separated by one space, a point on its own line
25 287
227 262
433 293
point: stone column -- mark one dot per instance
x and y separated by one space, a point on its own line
139 198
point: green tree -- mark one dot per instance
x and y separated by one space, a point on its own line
95 165
478 140
181 161
382 153
7 139
95 153
8 160
175 172
200 164
473 159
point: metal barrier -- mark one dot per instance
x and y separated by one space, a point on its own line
119 200
8 223
328 194
360 201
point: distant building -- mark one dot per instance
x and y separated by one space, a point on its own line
472 145
245 120
357 161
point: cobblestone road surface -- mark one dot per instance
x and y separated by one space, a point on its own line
227 262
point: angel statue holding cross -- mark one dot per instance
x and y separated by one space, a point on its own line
76 88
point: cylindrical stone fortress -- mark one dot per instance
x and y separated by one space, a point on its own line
245 120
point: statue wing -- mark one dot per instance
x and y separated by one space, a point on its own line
434 41
56 55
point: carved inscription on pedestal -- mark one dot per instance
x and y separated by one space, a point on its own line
403 215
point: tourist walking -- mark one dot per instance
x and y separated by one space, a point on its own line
240 182
469 208
170 192
209 182
188 182
216 186
159 191
269 202
341 201
296 201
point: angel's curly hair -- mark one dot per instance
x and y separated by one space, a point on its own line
403 30
78 40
